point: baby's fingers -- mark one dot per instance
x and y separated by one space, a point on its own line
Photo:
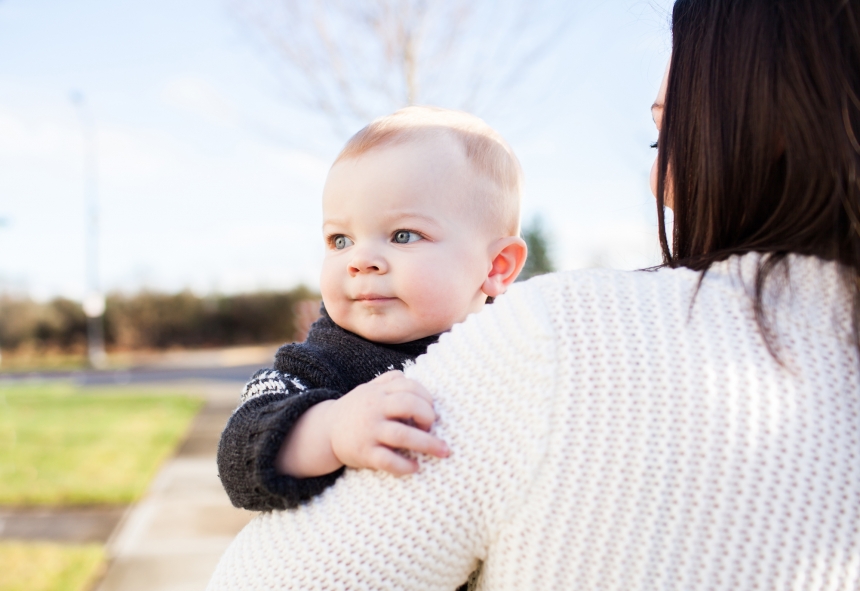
406 407
401 383
384 459
400 436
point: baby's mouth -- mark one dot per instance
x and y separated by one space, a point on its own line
373 298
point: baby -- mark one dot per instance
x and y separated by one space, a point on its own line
421 228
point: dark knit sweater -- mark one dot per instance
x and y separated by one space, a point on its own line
330 363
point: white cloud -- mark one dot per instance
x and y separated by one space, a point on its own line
312 169
198 96
624 245
20 137
131 154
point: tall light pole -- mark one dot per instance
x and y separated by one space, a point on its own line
94 300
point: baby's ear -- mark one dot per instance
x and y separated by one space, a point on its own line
508 257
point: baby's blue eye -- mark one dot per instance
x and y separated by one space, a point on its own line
340 242
406 236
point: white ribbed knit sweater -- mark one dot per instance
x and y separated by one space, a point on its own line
607 436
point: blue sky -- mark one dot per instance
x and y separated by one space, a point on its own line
202 183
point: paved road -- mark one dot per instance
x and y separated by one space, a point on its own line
73 525
142 375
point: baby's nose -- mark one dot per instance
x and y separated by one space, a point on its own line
365 261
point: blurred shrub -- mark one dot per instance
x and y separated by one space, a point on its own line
539 260
151 320
59 324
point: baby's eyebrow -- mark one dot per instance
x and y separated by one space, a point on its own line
388 218
403 215
333 222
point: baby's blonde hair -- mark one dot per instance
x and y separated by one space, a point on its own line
487 152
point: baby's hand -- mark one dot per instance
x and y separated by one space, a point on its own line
389 413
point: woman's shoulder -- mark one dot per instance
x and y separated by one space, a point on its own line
803 290
735 275
605 289
600 278
529 319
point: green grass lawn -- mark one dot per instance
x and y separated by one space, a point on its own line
48 567
63 445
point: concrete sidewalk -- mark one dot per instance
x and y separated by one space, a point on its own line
172 539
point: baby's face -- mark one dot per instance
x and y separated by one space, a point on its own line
405 256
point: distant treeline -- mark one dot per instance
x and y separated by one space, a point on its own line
156 321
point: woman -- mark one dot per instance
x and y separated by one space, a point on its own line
697 427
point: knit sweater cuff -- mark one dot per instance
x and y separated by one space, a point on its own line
292 490
250 445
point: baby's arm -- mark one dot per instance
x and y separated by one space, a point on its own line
272 403
362 430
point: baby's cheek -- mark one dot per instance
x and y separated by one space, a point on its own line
330 278
444 305
339 311
431 286
332 294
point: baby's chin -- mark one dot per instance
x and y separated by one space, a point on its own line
392 338
387 335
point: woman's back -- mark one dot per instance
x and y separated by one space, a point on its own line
691 458
594 448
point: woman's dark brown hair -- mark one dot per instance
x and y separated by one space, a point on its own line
761 136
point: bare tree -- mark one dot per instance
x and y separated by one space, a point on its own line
352 60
